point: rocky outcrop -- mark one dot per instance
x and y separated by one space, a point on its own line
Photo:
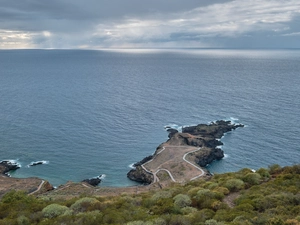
208 155
144 160
205 136
7 165
93 181
214 130
172 131
140 175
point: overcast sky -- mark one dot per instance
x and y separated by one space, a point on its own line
96 24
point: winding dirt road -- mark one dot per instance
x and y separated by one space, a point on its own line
172 160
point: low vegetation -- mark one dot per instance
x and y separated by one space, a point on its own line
268 196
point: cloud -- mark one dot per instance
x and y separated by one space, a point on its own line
292 34
171 23
231 19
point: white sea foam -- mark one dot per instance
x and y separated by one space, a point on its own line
174 126
13 162
234 120
131 166
226 156
102 176
34 163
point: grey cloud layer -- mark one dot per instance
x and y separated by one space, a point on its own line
135 23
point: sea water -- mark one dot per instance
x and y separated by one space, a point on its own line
88 113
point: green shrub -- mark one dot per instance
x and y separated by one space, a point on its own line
23 220
54 210
83 204
264 173
213 222
234 184
275 169
210 185
222 190
188 210
15 196
161 195
193 191
136 223
182 200
252 178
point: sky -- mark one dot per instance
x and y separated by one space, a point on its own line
98 24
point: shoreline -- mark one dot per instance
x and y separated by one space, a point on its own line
180 159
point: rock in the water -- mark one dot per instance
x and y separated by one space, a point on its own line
93 181
38 163
8 165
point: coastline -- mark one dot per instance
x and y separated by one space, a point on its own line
180 159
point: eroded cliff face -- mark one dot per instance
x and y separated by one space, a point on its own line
205 136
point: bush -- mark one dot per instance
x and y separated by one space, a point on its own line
252 178
23 220
54 210
161 195
83 204
275 169
188 210
213 222
222 190
202 215
264 173
15 196
234 184
182 200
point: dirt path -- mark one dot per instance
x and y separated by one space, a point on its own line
172 159
39 188
229 199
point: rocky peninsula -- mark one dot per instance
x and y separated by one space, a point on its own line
182 157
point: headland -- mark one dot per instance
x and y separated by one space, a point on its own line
180 159
184 155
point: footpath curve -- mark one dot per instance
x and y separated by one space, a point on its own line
199 168
154 173
39 188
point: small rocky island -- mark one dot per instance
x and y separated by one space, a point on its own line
182 157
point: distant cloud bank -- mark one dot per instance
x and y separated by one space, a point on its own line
88 25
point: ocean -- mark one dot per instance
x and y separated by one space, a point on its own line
87 113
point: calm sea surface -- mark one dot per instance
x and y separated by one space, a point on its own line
96 112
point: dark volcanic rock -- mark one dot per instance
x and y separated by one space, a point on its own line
214 130
36 163
93 181
140 175
208 155
172 131
144 160
6 166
